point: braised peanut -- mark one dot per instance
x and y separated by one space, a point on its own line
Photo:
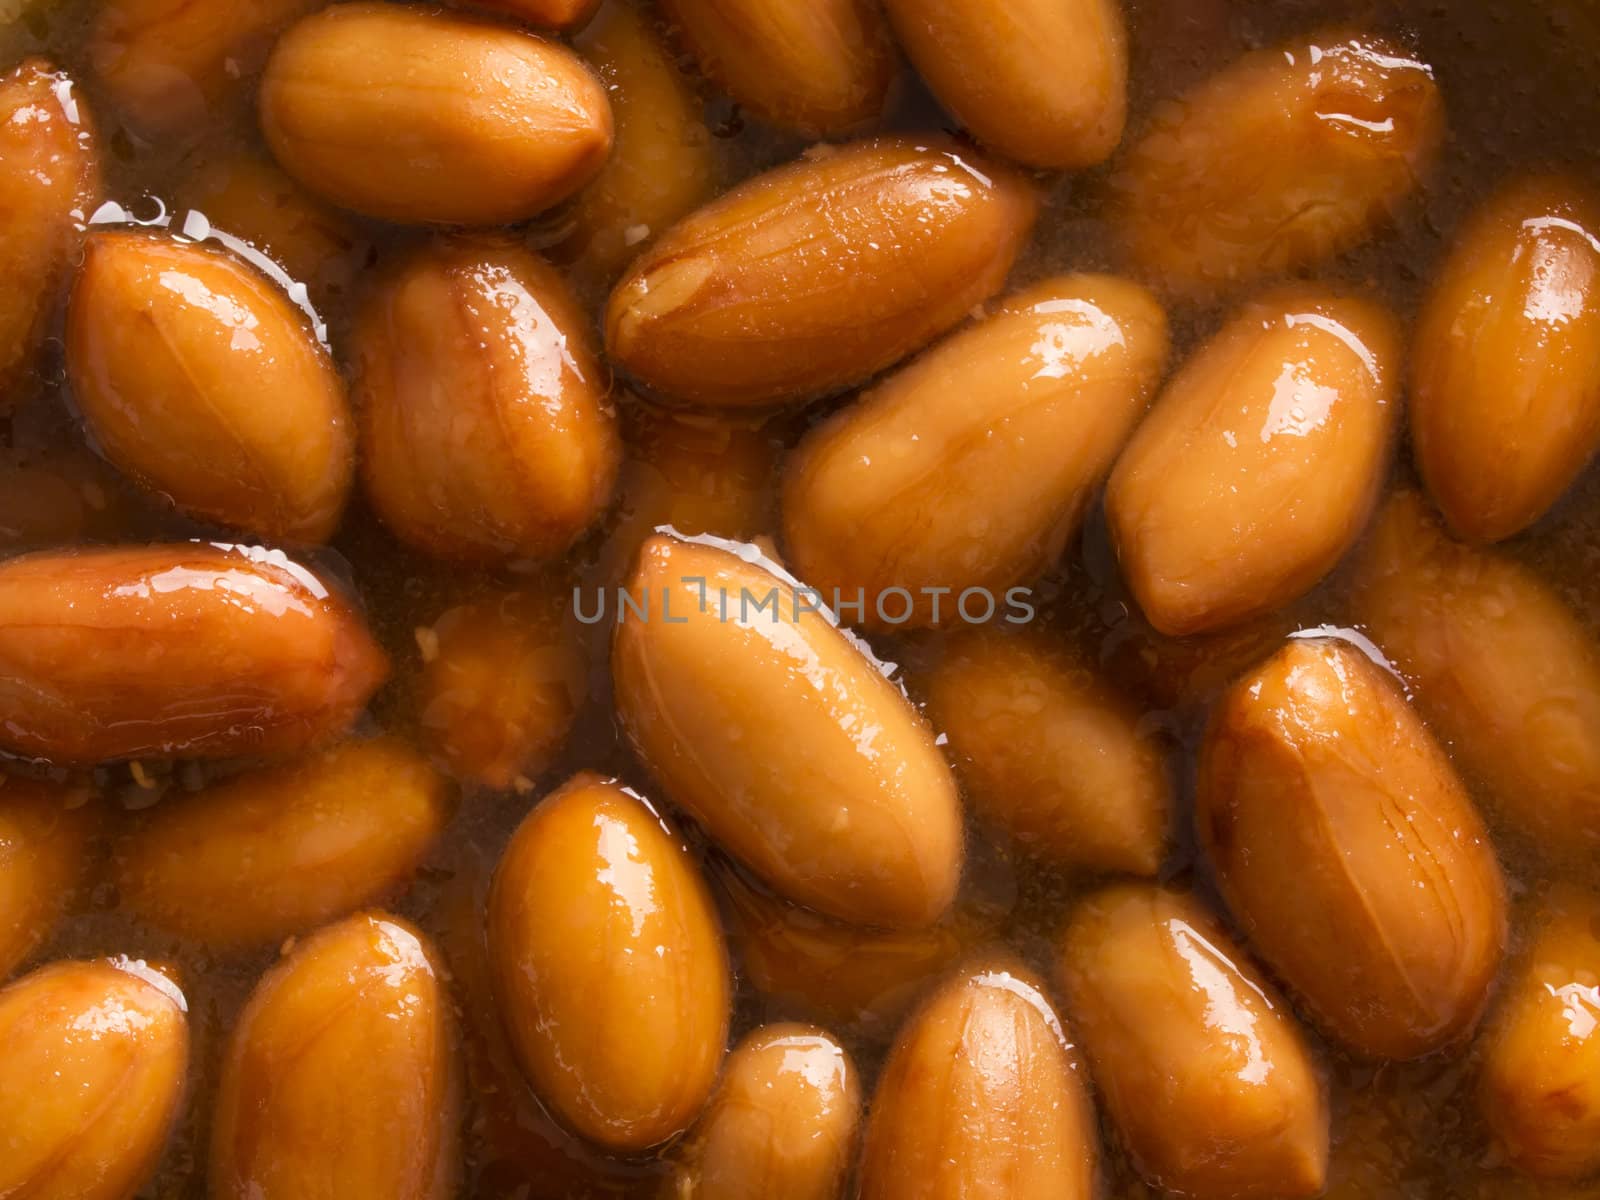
501 683
187 650
340 1077
1201 1065
1289 156
981 1098
1260 463
413 116
282 850
1539 1091
201 380
784 740
972 467
780 1126
662 164
609 966
1050 755
817 275
1042 81
547 14
1349 852
1504 672
49 178
813 66
44 835
486 430
90 1083
1505 376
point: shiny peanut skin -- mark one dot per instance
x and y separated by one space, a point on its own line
544 14
758 728
281 850
609 966
186 650
1200 1064
973 466
487 434
91 1080
1285 158
1539 1083
340 1077
422 118
44 850
1349 852
1505 369
201 379
781 1125
49 182
1503 671
1044 82
816 67
1260 463
1050 755
981 1099
817 275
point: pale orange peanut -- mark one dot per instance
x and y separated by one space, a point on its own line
45 829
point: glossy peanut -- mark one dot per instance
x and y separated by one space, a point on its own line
817 275
501 682
1539 1083
422 118
1050 755
1260 463
486 430
1502 669
340 1077
609 966
49 183
981 1098
972 467
44 850
545 14
201 379
1350 853
92 1077
1281 160
281 850
781 1125
1505 369
1201 1065
813 66
1043 81
784 740
186 650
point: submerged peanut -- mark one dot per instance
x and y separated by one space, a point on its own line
1051 755
1281 160
546 14
340 1077
1042 81
1260 463
1504 671
1200 1064
418 117
972 467
817 275
813 66
1349 851
281 850
609 966
49 181
784 740
780 1126
91 1080
44 848
1505 374
487 433
202 381
981 1098
186 650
